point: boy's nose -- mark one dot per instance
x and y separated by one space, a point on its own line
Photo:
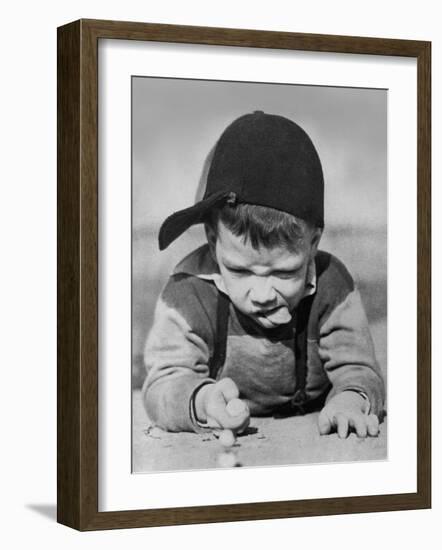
263 294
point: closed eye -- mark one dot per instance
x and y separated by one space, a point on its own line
285 274
279 274
238 270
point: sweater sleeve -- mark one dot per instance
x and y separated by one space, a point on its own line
177 353
345 344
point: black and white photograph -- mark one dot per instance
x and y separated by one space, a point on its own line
259 274
221 266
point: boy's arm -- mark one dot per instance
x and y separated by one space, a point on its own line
177 355
347 352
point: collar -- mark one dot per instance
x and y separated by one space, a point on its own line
201 264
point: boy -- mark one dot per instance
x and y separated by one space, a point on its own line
259 313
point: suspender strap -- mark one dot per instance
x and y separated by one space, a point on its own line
300 351
222 321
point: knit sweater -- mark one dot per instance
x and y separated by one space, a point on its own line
340 351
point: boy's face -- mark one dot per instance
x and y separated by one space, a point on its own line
265 284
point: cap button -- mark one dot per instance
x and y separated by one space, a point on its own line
231 198
258 112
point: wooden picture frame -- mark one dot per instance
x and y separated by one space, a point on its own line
77 224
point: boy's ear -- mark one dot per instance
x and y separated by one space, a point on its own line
211 240
315 238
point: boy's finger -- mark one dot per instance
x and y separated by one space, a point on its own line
341 423
217 410
229 389
243 427
359 423
233 422
373 425
324 424
237 407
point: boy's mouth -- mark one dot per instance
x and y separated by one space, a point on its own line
277 316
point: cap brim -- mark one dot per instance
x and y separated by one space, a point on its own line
180 221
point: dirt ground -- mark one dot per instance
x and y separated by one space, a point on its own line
269 441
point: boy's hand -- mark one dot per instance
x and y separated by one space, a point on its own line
211 402
346 410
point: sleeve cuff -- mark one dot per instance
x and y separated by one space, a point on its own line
199 427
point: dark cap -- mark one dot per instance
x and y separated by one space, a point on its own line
261 159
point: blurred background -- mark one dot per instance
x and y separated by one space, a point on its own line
175 124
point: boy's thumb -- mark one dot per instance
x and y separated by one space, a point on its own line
324 423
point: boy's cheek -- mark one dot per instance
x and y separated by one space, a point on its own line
293 293
236 294
236 288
